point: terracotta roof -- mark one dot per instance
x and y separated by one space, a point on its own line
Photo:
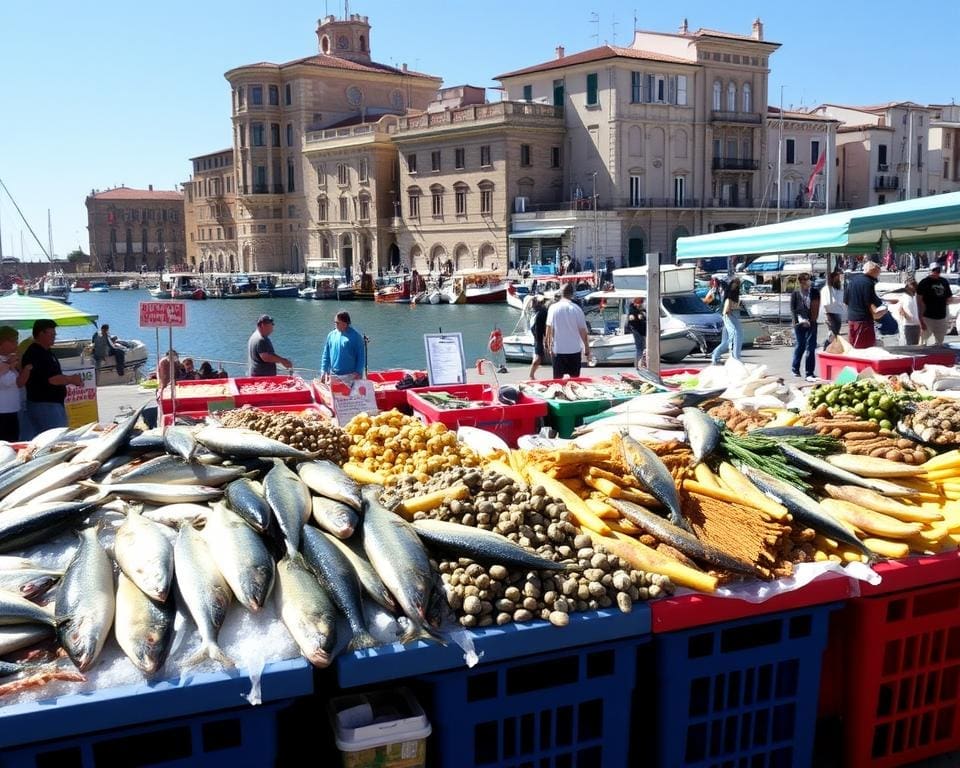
335 62
127 193
597 54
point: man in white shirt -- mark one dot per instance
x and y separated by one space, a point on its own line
908 314
566 335
831 305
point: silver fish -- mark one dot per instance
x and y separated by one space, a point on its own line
839 476
334 516
175 471
30 469
307 610
204 591
289 498
33 523
241 556
654 476
175 515
115 463
143 627
86 602
327 479
18 610
372 584
702 433
340 580
102 448
245 497
144 554
246 443
52 479
179 440
155 492
13 637
28 583
8 455
64 493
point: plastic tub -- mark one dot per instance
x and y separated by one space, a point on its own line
317 408
386 729
565 416
386 392
188 401
831 364
280 390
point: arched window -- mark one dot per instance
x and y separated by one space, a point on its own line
747 98
461 256
436 200
731 97
363 43
460 198
486 258
717 93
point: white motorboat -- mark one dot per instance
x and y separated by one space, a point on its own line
135 357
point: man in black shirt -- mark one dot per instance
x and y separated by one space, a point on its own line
538 327
864 307
47 384
637 325
933 295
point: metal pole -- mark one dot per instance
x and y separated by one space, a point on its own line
596 226
780 156
653 312
909 153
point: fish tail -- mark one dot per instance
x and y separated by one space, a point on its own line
418 631
210 651
361 640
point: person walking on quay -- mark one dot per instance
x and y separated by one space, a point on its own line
105 346
908 314
11 382
732 336
566 335
864 307
46 382
263 358
831 305
804 308
344 355
933 295
538 327
637 325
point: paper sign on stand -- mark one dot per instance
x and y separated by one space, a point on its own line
169 315
445 361
81 402
347 399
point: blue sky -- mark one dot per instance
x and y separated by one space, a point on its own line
106 93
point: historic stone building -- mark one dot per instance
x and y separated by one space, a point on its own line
801 139
209 202
274 107
134 229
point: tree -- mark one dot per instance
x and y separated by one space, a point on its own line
76 256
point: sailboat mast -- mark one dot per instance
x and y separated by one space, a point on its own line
49 237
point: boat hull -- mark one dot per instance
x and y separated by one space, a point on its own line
284 292
481 296
615 349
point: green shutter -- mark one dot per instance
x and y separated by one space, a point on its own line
592 89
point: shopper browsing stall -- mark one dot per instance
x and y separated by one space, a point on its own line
864 307
804 307
566 336
933 295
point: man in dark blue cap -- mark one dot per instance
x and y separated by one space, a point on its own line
263 358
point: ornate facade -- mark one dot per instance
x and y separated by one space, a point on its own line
209 203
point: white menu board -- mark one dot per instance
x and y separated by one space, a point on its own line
445 362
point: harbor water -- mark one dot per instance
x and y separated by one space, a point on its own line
217 329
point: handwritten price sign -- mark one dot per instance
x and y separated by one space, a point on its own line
163 314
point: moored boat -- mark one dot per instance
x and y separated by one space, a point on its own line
99 286
475 287
402 291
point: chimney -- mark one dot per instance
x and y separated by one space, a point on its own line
404 67
560 52
757 29
683 27
150 187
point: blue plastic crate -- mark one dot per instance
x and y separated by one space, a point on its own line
228 739
567 708
740 693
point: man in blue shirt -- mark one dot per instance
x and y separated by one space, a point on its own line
343 352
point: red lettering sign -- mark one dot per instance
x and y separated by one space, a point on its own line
163 314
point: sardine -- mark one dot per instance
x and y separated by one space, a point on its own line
28 583
64 493
632 419
15 609
340 580
241 556
371 582
144 554
484 546
155 492
14 637
22 473
149 440
327 479
841 476
334 516
204 592
289 499
33 523
680 539
175 515
245 442
143 626
86 601
179 440
691 398
307 610
654 476
702 433
805 510
175 471
53 478
245 497
103 447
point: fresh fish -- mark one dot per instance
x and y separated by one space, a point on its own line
33 523
245 442
241 556
805 510
654 476
15 609
64 493
176 471
793 431
650 376
14 637
372 584
114 463
632 419
327 479
144 554
680 539
143 626
179 440
340 580
155 492
102 448
663 403
702 433
48 437
8 455
8 562
691 398
53 478
334 516
307 610
245 497
86 601
204 591
33 468
484 546
29 583
175 515
839 476
289 499
402 562
149 440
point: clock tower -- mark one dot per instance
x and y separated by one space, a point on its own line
347 38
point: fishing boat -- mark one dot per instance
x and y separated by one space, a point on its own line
236 287
99 286
269 286
128 285
54 285
363 289
180 285
550 286
81 285
402 290
474 287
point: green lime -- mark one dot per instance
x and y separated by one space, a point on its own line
886 424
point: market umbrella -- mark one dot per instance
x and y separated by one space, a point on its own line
21 312
922 224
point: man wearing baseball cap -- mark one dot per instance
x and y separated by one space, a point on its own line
933 295
263 358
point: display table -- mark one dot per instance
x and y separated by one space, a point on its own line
907 360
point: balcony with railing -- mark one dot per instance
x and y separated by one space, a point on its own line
522 112
260 189
721 116
886 182
735 164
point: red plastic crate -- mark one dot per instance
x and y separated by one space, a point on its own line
386 392
831 364
508 421
318 408
902 682
198 402
300 392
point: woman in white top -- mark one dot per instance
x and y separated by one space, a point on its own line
908 314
